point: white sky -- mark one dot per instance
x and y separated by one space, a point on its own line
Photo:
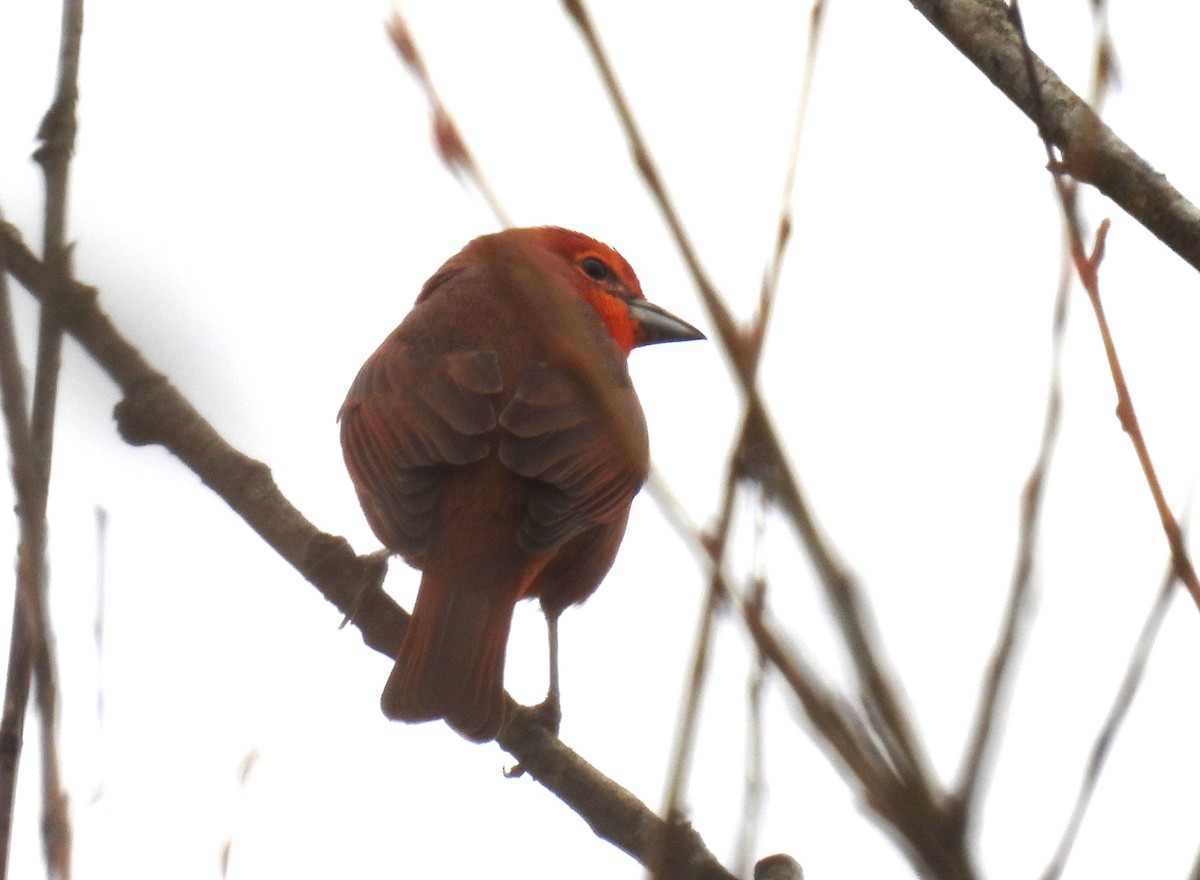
256 198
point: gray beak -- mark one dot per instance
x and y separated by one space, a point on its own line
658 325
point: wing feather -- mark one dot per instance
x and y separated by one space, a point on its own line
411 413
588 457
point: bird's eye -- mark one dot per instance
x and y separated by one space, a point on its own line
595 268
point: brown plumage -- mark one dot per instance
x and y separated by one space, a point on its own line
496 443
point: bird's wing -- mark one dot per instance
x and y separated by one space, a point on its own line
411 412
585 447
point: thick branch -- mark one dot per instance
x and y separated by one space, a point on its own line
1091 151
153 411
672 850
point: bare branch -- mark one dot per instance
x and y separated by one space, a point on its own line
930 836
447 139
783 223
764 460
754 784
660 850
685 734
718 540
1127 690
1091 151
681 753
153 411
20 649
986 727
1088 268
610 810
930 833
32 637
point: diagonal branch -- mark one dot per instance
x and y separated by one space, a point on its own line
1091 152
783 222
1088 268
1122 701
32 647
719 537
20 650
987 715
765 458
448 140
611 811
929 834
153 411
985 727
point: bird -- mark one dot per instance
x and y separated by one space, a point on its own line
495 442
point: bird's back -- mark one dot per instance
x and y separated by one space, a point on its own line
495 441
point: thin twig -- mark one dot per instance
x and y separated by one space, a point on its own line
459 159
1129 422
1130 682
934 843
999 670
686 729
20 650
685 732
453 148
1088 268
57 136
933 840
718 539
754 783
448 140
31 441
783 222
769 462
685 735
727 330
837 721
98 619
986 727
1105 70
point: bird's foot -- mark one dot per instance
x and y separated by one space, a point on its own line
548 713
375 571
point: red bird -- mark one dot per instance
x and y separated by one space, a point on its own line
496 443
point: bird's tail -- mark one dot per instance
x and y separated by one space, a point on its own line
451 662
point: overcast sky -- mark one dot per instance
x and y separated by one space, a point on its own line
256 197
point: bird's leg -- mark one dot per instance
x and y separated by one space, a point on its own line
377 567
552 639
549 711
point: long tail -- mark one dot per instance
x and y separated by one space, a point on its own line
451 663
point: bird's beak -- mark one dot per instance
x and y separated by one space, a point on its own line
656 325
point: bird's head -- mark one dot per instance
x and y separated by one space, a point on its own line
606 280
